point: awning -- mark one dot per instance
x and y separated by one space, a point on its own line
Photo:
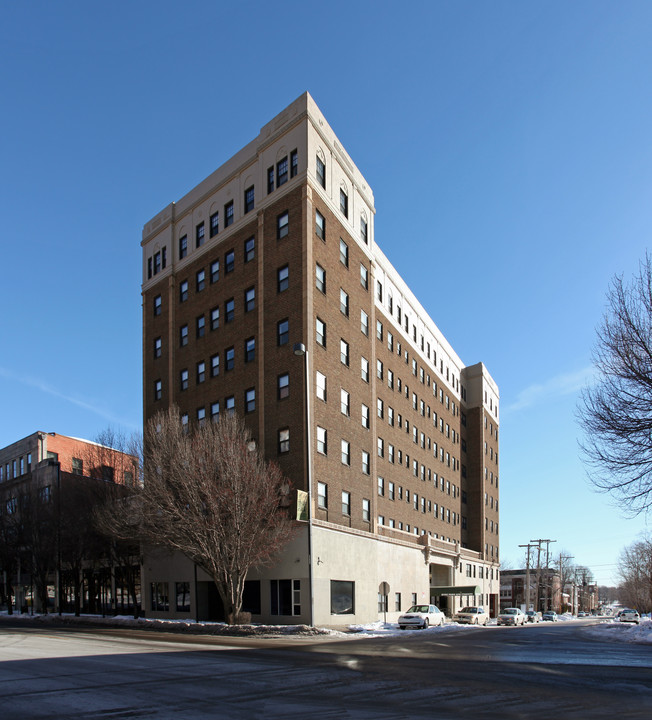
456 590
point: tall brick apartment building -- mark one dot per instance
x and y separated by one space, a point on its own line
276 248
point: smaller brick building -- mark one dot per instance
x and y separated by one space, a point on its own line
51 554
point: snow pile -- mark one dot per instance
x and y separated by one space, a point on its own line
625 632
176 626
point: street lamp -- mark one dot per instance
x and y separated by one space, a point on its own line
300 350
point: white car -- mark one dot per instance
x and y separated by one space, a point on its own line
421 616
512 616
628 615
472 616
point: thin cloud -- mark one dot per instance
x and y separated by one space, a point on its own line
49 390
558 386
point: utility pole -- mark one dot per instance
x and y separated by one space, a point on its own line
527 576
540 541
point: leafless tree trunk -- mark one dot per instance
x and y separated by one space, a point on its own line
636 573
616 411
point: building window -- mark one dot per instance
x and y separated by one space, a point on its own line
229 310
183 335
283 332
250 299
381 486
282 172
250 249
380 408
365 462
346 503
381 447
322 444
364 323
344 303
201 326
158 391
183 380
229 358
379 330
215 365
345 400
364 277
215 271
182 596
344 203
215 224
270 180
344 352
320 385
342 597
284 440
320 225
365 510
249 199
77 466
228 214
201 416
250 400
250 350
322 495
344 253
157 305
158 347
365 416
364 369
199 235
215 318
283 385
159 597
183 291
200 280
229 261
282 225
320 332
320 278
201 372
321 172
283 278
230 405
346 452
294 163
379 369
183 247
285 597
363 230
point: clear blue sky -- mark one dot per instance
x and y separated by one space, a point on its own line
508 144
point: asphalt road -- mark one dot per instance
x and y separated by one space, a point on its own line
546 671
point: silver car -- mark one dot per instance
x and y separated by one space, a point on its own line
512 616
629 615
421 616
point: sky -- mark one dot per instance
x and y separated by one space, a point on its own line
508 145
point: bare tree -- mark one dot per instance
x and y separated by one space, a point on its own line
616 411
209 494
635 568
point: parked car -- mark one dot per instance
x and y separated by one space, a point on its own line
421 616
581 613
533 616
472 616
629 615
549 615
512 616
